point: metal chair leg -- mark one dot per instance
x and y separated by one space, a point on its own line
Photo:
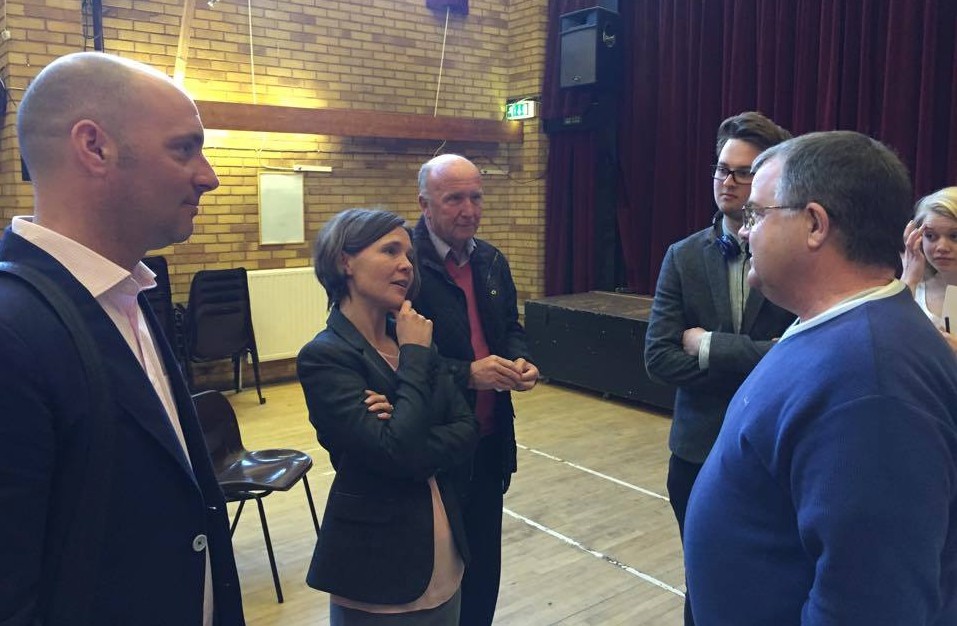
239 511
237 372
254 354
272 557
312 507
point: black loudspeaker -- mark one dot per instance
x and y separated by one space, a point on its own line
591 49
455 6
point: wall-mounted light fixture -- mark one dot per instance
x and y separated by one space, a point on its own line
211 3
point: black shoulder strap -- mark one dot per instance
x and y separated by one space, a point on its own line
79 559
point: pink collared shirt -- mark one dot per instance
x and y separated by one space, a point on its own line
116 289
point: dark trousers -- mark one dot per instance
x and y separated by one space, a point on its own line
483 527
681 477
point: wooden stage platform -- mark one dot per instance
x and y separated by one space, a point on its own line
595 340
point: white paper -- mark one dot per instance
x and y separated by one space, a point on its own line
950 306
281 208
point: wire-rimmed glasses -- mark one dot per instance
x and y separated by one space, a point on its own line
754 213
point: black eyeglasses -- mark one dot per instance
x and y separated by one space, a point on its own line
742 175
754 214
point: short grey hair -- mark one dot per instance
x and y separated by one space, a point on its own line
860 182
432 164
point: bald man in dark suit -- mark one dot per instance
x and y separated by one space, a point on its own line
115 152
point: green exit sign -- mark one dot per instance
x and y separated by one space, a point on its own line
521 110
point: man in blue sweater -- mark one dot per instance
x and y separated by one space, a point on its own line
830 496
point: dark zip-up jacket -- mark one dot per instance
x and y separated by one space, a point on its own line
443 302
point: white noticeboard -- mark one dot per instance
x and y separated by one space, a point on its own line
281 214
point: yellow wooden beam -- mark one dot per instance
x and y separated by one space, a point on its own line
354 123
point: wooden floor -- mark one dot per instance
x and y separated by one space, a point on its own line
588 536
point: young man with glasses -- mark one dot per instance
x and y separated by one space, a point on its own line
831 492
708 329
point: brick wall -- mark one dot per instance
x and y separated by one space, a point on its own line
375 55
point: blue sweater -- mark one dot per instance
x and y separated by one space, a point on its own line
830 496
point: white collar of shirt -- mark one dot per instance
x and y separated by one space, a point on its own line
443 249
868 295
95 272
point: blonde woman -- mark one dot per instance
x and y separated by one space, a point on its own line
930 256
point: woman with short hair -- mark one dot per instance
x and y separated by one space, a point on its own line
399 434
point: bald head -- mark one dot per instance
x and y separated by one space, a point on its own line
435 167
451 198
115 151
86 85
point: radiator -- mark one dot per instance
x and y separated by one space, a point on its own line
288 307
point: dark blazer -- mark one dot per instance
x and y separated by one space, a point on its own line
158 505
441 301
377 538
693 291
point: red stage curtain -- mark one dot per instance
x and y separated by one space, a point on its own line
569 185
888 69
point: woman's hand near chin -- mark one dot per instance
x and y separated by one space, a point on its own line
410 327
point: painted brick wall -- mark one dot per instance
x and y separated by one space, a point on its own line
375 55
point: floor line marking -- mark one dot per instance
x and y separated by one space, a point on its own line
595 553
588 470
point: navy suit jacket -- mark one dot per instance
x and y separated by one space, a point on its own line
377 541
159 502
693 291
